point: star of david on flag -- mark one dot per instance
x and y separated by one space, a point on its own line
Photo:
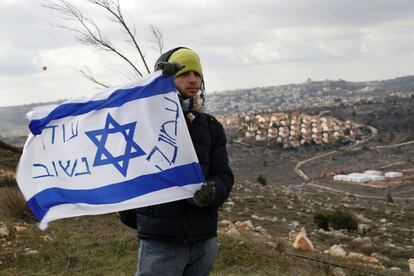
124 148
103 156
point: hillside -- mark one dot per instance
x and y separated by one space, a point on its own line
404 84
13 118
270 202
272 98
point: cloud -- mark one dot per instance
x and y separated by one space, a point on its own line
241 43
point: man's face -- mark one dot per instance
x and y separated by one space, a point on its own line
188 84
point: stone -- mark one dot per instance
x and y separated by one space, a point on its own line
383 220
225 223
4 231
362 219
47 238
363 229
395 268
364 259
367 243
256 217
246 225
230 203
302 242
337 250
295 224
19 228
232 233
261 230
30 252
337 271
411 265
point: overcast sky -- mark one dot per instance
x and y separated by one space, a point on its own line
242 44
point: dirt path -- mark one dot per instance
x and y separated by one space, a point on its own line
356 195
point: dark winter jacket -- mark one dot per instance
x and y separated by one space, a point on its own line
180 221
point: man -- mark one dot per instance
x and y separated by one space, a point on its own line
179 238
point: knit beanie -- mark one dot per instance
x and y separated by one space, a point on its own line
188 58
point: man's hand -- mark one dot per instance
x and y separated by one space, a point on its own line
169 68
205 195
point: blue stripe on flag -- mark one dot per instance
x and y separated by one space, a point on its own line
117 98
118 192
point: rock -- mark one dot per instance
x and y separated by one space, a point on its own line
295 224
302 242
383 220
232 233
337 250
337 271
411 265
363 229
390 245
364 259
395 268
366 243
230 203
246 225
380 257
261 230
256 217
47 238
4 231
30 252
225 223
362 219
19 228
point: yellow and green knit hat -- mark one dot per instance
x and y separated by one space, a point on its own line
188 58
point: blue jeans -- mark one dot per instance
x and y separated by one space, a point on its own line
162 258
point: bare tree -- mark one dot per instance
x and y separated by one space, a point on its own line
90 33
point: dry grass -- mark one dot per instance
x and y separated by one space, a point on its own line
13 202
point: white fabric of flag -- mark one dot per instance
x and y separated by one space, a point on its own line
120 149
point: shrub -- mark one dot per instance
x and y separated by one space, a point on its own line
343 220
322 220
262 180
389 198
337 219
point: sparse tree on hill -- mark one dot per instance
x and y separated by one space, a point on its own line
89 32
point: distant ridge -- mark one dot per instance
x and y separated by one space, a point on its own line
13 118
403 84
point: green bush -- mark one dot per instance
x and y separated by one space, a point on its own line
322 220
262 180
389 198
336 219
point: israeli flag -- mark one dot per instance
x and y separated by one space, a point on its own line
124 148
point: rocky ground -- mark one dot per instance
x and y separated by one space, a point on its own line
284 211
285 205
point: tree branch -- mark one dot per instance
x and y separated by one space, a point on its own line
114 9
157 38
91 78
89 33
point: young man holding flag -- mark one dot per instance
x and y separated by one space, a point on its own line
179 237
